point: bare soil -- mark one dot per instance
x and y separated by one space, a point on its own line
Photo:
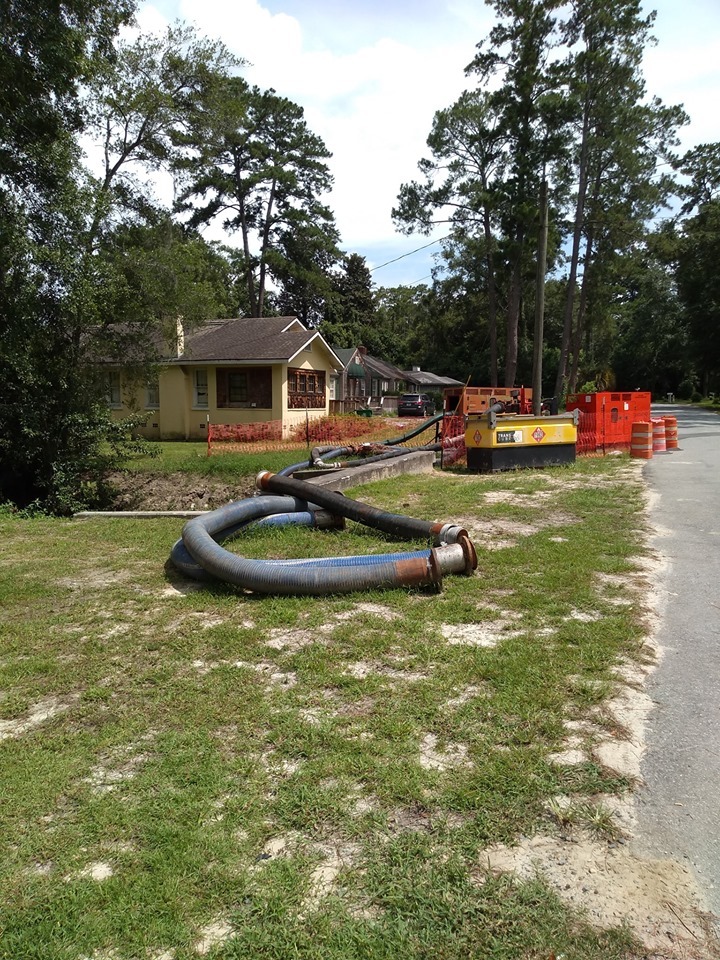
174 491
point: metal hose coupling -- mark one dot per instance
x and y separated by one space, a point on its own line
451 533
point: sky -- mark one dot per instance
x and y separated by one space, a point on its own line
371 74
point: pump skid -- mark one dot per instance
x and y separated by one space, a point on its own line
497 441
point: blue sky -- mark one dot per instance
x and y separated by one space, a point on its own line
371 75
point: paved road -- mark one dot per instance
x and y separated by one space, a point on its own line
679 809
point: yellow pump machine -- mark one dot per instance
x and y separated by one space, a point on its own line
496 440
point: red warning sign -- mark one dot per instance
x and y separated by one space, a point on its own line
477 437
538 434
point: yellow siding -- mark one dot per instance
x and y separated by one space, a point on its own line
178 418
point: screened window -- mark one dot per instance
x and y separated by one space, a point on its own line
152 394
237 387
113 388
200 389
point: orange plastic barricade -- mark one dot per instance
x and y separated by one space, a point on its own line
641 440
671 433
658 435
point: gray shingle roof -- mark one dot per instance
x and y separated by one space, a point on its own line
247 339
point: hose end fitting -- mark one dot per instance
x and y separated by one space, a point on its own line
262 478
469 552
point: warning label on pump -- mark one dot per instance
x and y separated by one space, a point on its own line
538 434
509 436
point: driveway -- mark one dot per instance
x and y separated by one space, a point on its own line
679 806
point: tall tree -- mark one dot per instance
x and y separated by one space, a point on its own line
46 54
463 180
78 252
256 165
619 142
532 120
698 251
350 314
140 107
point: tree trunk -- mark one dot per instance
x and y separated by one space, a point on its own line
245 230
582 312
513 313
263 249
492 298
575 255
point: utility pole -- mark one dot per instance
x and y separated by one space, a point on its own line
540 300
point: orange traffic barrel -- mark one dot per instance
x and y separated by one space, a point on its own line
641 440
671 433
658 435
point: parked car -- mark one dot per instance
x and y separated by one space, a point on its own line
415 405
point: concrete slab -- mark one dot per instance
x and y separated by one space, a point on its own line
340 479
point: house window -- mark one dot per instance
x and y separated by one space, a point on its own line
249 387
112 387
374 387
237 388
385 386
200 389
152 394
306 389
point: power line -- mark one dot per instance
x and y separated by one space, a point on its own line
409 253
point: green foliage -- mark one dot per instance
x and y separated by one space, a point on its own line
252 162
699 288
587 122
350 317
78 254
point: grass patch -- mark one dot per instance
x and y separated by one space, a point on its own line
194 770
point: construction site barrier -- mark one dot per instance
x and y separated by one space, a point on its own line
671 433
606 418
641 444
658 434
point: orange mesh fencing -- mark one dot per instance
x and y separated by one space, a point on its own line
342 430
452 435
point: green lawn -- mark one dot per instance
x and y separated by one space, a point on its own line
197 771
191 457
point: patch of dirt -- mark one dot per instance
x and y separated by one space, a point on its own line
363 668
174 491
486 634
658 898
216 932
98 872
431 758
38 713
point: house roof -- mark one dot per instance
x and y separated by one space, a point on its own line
345 354
382 369
250 340
424 379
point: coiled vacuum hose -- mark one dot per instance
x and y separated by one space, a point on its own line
199 554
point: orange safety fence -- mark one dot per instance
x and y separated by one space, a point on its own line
587 438
342 430
452 434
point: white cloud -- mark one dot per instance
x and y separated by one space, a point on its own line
372 98
372 106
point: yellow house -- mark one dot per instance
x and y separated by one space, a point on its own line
248 370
